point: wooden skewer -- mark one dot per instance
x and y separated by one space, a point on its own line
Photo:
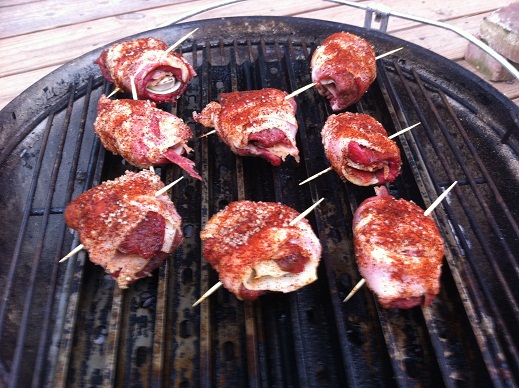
292 223
330 169
388 53
355 289
159 192
113 92
207 293
167 187
305 213
300 90
404 130
315 176
426 213
208 133
134 89
174 45
439 199
72 252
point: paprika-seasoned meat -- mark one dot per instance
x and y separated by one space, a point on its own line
125 227
255 122
143 134
255 249
157 75
359 150
343 68
399 251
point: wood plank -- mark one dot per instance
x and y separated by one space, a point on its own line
27 18
443 42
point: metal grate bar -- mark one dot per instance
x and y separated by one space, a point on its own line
45 330
439 155
17 359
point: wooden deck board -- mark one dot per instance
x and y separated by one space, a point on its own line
36 37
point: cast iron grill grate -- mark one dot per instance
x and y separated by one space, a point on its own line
68 324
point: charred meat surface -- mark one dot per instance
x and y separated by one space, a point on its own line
255 249
399 251
255 122
125 227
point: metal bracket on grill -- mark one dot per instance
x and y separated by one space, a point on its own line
383 12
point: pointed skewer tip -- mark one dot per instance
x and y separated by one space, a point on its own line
355 289
72 252
388 53
300 90
439 199
168 186
208 133
175 45
207 293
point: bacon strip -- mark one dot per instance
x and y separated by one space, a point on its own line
359 150
343 66
158 76
125 228
143 134
255 122
399 251
255 250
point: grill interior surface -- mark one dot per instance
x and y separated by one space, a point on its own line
68 324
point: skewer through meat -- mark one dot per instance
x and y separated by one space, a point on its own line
359 150
255 122
143 134
125 227
158 76
399 251
255 249
343 68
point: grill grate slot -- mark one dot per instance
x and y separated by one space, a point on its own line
79 328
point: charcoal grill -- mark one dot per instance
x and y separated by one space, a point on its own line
69 325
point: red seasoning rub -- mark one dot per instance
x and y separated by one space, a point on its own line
143 134
399 251
343 66
254 248
359 150
159 76
255 122
125 228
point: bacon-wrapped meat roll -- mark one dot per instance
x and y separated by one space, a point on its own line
256 122
143 134
254 248
125 227
343 67
359 150
399 251
158 76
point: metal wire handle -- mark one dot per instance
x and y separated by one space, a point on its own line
383 12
